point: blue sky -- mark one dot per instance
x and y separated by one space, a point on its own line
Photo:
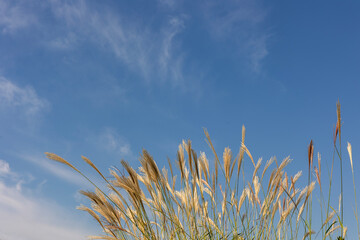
106 79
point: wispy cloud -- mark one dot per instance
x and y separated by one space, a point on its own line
14 16
111 141
258 51
25 217
56 169
168 3
7 174
64 42
149 49
4 168
134 42
23 98
240 22
168 65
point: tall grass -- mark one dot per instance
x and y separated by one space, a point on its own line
218 199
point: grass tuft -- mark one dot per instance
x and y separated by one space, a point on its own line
211 200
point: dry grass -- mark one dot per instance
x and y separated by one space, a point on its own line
210 200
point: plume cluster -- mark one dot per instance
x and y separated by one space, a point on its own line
229 198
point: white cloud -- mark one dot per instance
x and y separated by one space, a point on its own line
14 16
144 51
31 218
24 98
4 167
63 43
241 22
110 140
149 49
7 174
168 3
176 25
258 51
24 216
57 169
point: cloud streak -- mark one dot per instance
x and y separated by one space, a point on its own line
152 50
110 140
23 98
241 22
133 42
58 170
4 168
14 16
168 3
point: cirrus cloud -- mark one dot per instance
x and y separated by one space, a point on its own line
14 16
23 98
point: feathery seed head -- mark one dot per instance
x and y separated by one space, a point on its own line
310 153
350 155
338 125
227 155
59 159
